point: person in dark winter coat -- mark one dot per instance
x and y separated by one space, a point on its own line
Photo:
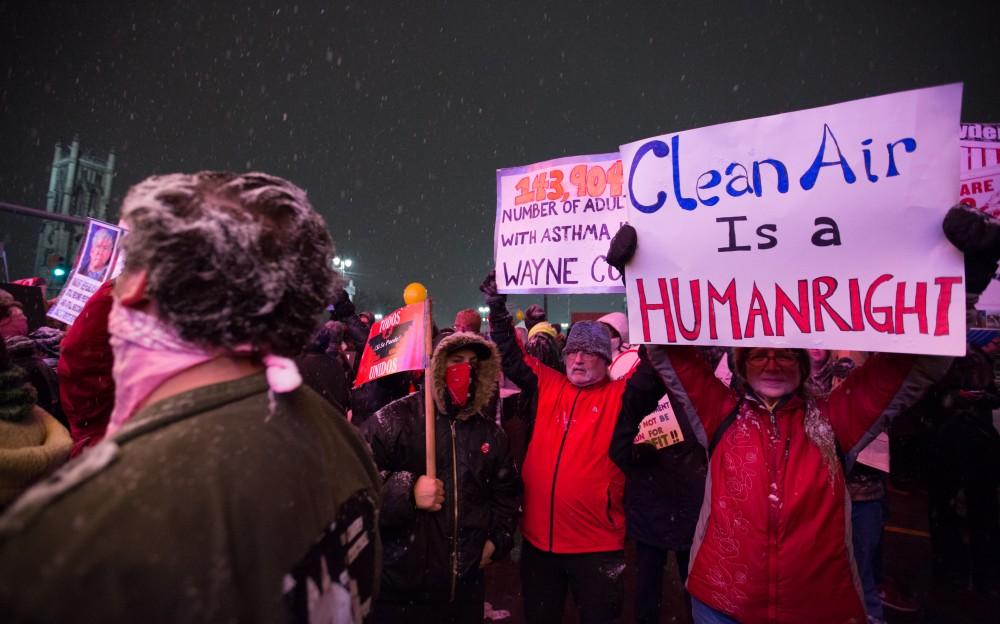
664 489
225 490
439 533
965 454
322 366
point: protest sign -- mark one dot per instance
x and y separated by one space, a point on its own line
818 228
980 188
660 428
980 145
553 225
99 253
395 344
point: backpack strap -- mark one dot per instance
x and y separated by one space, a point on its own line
723 426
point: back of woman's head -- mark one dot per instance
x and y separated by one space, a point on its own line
231 259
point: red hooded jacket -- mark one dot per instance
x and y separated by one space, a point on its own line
86 387
772 543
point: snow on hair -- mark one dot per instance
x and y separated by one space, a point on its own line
232 259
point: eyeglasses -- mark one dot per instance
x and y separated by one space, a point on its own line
586 355
784 359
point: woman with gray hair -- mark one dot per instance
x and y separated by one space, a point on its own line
225 489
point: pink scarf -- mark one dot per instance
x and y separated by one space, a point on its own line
147 353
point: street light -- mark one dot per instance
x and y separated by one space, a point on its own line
341 265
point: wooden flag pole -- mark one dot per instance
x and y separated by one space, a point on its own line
429 409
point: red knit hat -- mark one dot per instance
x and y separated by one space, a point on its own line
468 320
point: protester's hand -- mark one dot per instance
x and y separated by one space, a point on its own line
428 493
533 315
972 230
488 549
622 247
977 236
342 306
489 288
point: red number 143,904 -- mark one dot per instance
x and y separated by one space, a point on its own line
590 180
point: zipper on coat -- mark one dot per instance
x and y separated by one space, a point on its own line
607 510
555 471
454 539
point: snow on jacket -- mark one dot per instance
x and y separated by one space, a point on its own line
773 543
474 462
572 489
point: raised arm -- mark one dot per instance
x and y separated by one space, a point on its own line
512 358
642 392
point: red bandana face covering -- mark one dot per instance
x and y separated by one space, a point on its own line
458 377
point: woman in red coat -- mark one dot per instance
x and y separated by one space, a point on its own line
772 543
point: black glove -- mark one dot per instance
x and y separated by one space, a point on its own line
342 306
622 248
490 294
533 315
977 235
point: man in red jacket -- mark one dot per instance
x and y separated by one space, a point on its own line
573 522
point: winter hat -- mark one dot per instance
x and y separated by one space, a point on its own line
542 328
468 320
619 322
589 337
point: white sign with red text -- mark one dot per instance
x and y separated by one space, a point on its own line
818 228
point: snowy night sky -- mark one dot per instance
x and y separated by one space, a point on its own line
396 119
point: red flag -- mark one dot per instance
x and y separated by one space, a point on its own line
395 344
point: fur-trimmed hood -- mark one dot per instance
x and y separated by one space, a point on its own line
487 371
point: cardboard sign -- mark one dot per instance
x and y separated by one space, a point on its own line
553 225
395 344
816 229
98 256
660 428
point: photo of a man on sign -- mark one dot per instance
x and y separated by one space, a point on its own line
97 254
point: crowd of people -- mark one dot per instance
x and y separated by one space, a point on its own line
192 447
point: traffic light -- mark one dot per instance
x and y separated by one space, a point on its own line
58 269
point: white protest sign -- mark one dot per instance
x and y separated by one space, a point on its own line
553 225
980 145
96 262
818 228
980 188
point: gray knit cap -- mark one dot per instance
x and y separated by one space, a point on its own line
589 337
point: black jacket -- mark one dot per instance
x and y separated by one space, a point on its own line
418 546
663 488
